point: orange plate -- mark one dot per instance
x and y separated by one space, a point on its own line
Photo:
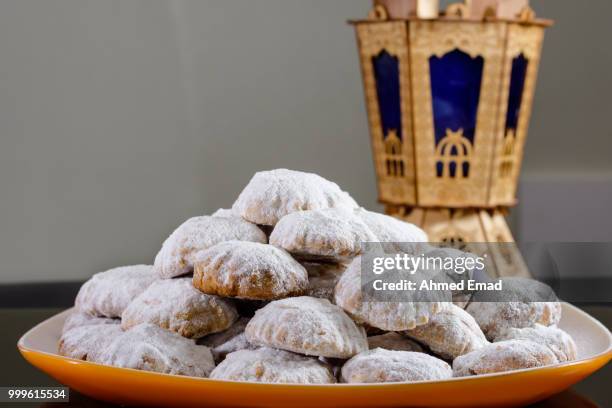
127 386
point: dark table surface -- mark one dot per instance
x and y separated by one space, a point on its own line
595 391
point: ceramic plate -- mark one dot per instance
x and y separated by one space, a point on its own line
132 387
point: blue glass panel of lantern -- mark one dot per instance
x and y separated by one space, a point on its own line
515 94
455 90
386 73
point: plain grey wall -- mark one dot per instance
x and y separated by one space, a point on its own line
121 118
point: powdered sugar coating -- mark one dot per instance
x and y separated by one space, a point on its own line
178 251
270 195
393 341
393 230
322 279
216 339
81 342
228 341
174 304
268 365
380 365
329 234
558 341
78 319
249 270
528 302
108 293
151 348
496 317
389 316
450 333
308 326
239 342
224 213
503 356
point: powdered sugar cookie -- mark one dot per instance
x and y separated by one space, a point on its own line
333 234
503 356
270 195
450 333
558 341
392 230
549 313
216 339
108 293
224 213
239 342
393 341
177 254
78 319
380 365
151 348
228 341
322 278
80 342
389 316
249 270
308 326
496 317
268 365
524 309
174 304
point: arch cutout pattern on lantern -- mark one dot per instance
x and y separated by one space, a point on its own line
455 79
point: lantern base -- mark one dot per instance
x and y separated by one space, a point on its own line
475 230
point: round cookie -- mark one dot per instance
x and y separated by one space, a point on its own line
322 279
270 195
216 339
450 333
503 356
81 342
174 304
78 319
239 342
228 341
389 316
108 293
151 348
496 317
249 270
402 235
522 303
331 234
308 326
393 341
269 365
224 213
380 365
558 341
178 251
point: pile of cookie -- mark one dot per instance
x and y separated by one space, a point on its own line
269 291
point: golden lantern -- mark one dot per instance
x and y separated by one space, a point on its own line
449 101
